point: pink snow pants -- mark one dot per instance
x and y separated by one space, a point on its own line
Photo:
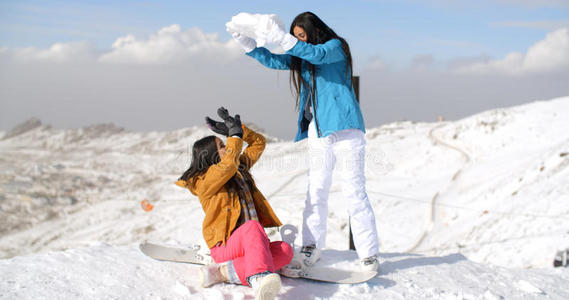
252 252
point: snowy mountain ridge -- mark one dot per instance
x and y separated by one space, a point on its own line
493 187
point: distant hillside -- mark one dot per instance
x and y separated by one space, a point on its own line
493 186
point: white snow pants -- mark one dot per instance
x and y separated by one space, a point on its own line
346 149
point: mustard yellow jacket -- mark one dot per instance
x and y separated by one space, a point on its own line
221 209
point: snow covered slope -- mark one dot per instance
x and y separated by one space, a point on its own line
493 187
123 272
509 205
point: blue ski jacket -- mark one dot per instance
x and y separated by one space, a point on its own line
335 106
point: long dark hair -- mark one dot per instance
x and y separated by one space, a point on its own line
205 155
317 32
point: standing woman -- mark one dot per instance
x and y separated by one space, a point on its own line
320 65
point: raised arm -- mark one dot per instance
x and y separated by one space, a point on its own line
217 175
255 148
264 56
270 60
327 53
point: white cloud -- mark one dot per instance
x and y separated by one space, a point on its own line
58 52
168 45
171 44
548 55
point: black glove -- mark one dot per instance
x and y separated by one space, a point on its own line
217 127
230 127
232 123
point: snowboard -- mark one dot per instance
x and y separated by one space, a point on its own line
194 254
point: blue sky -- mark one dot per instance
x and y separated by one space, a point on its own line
163 65
393 30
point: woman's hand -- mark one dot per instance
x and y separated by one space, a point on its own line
277 35
233 123
231 126
248 44
217 127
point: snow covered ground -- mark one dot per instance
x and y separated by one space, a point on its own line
123 272
469 209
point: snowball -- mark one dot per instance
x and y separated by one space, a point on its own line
255 26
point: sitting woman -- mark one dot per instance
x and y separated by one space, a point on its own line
235 210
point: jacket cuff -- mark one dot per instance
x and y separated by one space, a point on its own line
248 49
182 183
233 144
288 41
247 133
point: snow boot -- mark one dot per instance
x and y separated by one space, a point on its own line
370 263
210 275
293 269
310 254
266 285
